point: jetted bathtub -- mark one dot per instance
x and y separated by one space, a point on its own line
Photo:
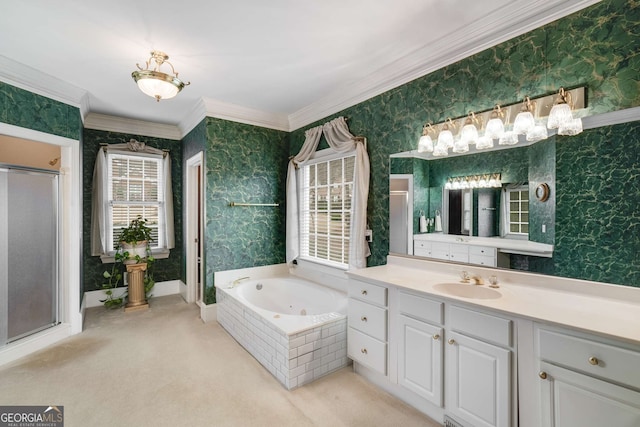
295 328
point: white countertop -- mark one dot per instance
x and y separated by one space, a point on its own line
502 244
605 309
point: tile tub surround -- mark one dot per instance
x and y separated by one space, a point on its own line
294 359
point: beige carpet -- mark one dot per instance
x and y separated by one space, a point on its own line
164 367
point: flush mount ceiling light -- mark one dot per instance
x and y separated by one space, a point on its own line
154 82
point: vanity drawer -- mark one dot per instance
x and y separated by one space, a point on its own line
422 248
484 326
368 292
489 261
459 253
367 318
440 250
591 357
420 307
366 350
482 251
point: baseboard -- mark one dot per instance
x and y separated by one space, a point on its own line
208 312
25 346
160 289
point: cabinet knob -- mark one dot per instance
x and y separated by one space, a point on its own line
543 375
363 318
364 292
363 351
451 341
436 337
594 360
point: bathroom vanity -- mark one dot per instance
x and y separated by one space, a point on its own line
525 354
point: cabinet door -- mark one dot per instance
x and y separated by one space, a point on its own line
420 359
571 399
478 382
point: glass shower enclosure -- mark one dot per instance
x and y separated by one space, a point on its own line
28 252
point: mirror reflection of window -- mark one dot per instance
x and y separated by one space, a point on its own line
515 219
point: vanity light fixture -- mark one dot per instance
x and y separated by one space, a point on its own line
560 113
488 180
425 144
531 116
154 82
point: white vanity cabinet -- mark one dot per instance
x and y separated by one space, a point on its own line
458 252
420 337
367 325
478 368
599 377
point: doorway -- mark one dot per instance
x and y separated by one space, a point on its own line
401 214
195 229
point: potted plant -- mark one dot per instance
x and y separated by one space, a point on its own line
134 241
133 247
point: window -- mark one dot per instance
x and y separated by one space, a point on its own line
325 209
134 188
518 210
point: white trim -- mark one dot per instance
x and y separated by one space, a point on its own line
35 81
193 238
70 237
193 118
35 342
409 178
515 19
131 126
209 312
611 118
160 289
238 113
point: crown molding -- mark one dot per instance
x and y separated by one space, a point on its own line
131 126
513 20
32 80
250 116
193 118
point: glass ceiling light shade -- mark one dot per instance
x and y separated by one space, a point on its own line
484 142
508 138
524 121
445 139
560 113
574 127
425 144
468 134
537 133
495 126
154 82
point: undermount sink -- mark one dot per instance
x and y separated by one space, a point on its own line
467 290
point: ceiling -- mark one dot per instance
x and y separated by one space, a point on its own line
278 63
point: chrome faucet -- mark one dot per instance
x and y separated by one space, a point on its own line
477 280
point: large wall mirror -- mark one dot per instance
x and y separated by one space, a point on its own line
564 197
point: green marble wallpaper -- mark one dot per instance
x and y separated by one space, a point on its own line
597 47
598 205
22 108
247 164
93 268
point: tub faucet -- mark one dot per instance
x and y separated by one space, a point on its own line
235 282
477 280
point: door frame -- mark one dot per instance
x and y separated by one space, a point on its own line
70 266
409 180
195 228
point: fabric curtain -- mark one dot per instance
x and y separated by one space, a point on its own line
98 214
99 227
170 241
312 138
341 140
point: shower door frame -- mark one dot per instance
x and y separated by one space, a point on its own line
70 306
